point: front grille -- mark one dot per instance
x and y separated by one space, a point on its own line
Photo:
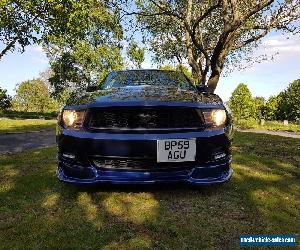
143 118
140 164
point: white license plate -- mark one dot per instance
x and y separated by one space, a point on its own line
176 150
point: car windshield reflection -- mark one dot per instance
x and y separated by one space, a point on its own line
170 79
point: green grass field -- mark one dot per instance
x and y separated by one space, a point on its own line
37 211
12 126
269 125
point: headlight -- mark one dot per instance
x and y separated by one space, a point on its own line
215 117
73 118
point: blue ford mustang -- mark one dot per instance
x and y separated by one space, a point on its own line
144 126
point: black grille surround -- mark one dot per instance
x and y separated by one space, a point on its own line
139 164
148 164
143 118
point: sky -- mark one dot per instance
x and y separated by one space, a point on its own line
263 79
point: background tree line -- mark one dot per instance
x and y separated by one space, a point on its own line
34 95
284 106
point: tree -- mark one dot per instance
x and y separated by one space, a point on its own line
25 22
33 95
289 102
242 104
78 62
5 99
259 103
135 54
211 35
270 111
81 38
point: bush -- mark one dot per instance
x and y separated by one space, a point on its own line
246 124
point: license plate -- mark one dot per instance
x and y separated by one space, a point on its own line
176 150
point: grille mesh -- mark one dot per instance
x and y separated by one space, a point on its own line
140 164
144 118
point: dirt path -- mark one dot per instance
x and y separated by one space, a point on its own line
280 133
12 143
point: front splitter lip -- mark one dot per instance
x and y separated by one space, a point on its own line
190 180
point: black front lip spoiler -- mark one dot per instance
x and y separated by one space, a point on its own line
194 176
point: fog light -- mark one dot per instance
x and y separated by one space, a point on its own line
69 156
219 156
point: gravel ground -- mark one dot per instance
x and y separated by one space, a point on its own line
16 142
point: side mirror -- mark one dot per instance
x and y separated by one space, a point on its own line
201 88
91 88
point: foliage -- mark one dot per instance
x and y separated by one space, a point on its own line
26 22
284 106
211 35
81 67
289 102
259 103
33 95
242 104
59 216
88 58
81 38
5 99
63 96
135 54
270 111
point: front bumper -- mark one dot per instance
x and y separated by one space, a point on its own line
85 145
200 175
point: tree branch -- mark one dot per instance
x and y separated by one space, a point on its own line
204 15
256 9
168 12
8 47
12 43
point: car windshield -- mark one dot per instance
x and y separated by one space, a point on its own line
147 77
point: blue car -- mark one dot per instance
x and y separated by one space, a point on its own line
142 127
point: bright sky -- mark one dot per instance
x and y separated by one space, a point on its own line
264 79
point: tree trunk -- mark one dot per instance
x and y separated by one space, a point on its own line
213 82
197 76
217 64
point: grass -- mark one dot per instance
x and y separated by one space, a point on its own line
12 126
28 115
269 125
37 211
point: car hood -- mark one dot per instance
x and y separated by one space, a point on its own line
142 94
